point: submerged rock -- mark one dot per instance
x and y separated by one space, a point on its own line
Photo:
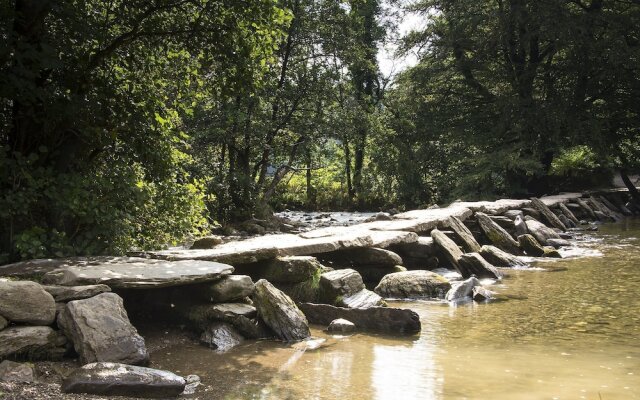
462 290
26 302
341 326
100 330
280 313
557 243
374 319
479 294
16 372
413 284
551 252
112 379
479 267
540 231
531 246
498 236
221 336
33 342
363 299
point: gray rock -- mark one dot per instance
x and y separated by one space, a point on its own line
292 269
498 236
100 330
586 208
375 319
112 379
374 274
541 232
449 248
462 290
26 302
551 252
513 214
221 336
568 213
548 214
481 294
207 242
193 381
341 325
479 267
3 323
424 247
68 293
364 256
34 342
16 372
413 284
500 258
520 227
557 243
566 221
363 299
136 273
201 315
340 283
465 235
531 246
531 212
280 313
229 288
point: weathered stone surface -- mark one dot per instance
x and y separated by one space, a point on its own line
136 273
68 293
16 372
586 208
500 258
532 212
481 294
540 231
424 247
280 313
34 342
568 213
512 214
413 284
221 336
548 214
530 245
362 257
566 221
375 273
100 330
557 243
551 252
462 290
3 323
448 247
465 235
498 236
363 299
228 312
520 226
420 221
609 204
340 283
112 379
341 326
26 302
479 267
229 288
293 269
374 319
207 242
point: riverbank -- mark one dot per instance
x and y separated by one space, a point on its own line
363 257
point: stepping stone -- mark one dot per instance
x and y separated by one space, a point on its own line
470 243
413 285
498 236
341 326
26 302
548 214
280 313
340 283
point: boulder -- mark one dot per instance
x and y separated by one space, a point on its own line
479 294
68 293
135 273
100 330
520 227
568 213
207 242
469 242
374 319
341 325
293 269
531 212
221 336
462 290
363 299
498 236
280 313
566 221
479 267
16 372
557 243
500 258
586 208
26 302
551 252
201 315
530 245
3 323
448 247
424 247
340 283
375 273
548 215
112 379
540 231
413 284
229 288
34 342
513 214
504 222
363 256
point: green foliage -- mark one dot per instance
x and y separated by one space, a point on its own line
575 160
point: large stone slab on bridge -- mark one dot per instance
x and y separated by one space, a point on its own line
134 272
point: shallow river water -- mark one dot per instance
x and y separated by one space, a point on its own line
569 334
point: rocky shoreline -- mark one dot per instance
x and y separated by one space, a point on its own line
268 287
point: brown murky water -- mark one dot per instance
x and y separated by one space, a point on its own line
570 334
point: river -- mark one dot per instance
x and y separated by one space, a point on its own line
568 330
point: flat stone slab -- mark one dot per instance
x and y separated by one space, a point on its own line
134 273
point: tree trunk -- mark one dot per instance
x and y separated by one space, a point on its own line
347 169
633 191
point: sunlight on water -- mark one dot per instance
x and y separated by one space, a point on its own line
569 334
